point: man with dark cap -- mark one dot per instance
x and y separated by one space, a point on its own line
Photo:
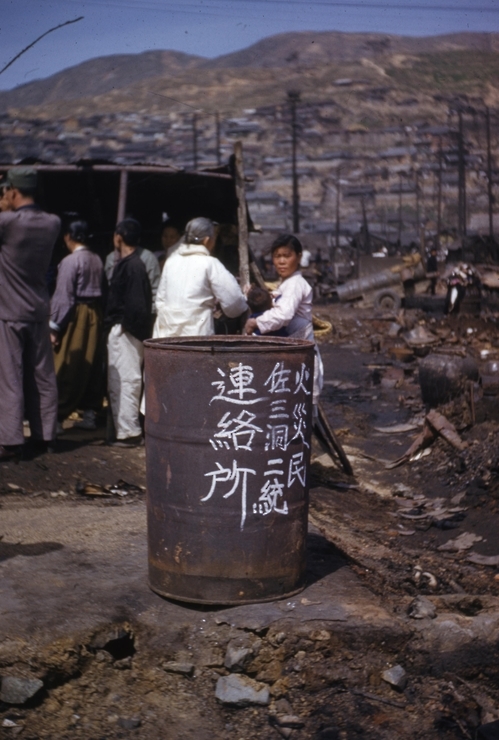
28 386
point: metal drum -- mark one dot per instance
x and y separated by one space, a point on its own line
228 428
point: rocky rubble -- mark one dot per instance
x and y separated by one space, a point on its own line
395 636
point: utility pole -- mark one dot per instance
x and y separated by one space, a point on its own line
122 196
294 97
195 140
461 180
416 187
219 154
400 211
338 185
367 236
489 176
420 228
439 194
242 216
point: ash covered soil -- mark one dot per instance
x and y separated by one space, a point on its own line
117 661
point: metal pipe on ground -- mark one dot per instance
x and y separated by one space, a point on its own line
356 288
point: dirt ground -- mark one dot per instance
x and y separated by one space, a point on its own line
117 661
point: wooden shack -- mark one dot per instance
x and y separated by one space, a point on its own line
104 193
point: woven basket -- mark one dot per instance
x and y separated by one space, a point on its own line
321 328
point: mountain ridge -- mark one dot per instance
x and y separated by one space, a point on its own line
96 76
294 51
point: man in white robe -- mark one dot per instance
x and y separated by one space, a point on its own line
191 284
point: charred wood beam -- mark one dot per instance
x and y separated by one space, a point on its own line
149 169
242 216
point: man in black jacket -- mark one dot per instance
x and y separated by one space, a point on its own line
129 321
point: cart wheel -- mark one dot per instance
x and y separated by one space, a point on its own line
387 300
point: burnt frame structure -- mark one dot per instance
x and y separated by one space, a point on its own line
104 193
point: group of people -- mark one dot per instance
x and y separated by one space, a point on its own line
53 351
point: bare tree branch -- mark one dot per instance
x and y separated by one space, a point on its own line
61 25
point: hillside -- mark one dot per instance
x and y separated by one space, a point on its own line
254 76
311 48
97 77
364 92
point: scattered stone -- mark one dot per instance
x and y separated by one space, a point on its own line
394 330
422 608
240 691
13 487
475 557
330 733
185 669
282 706
124 664
288 720
465 541
400 489
101 656
320 636
396 677
207 656
238 655
8 723
283 731
19 690
279 638
129 723
300 657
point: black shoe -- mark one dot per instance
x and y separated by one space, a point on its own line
137 441
35 447
10 452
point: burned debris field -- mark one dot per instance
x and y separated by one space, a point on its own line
395 634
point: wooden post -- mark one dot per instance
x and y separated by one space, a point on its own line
439 194
294 97
489 176
195 141
462 179
400 211
256 270
367 236
420 225
242 216
337 230
219 153
122 196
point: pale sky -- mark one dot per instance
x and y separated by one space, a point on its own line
207 27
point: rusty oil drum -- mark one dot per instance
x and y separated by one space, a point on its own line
228 428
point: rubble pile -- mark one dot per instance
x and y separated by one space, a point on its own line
429 522
397 632
260 682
